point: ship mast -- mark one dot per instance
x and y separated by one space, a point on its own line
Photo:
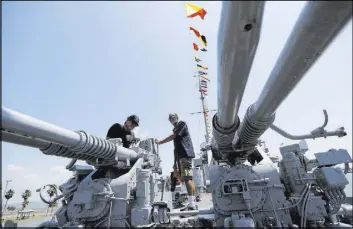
205 113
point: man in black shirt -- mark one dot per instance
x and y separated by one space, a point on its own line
183 154
124 132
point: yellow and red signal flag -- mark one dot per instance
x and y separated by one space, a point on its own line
197 48
199 35
193 10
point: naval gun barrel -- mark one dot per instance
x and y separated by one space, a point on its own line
23 140
54 140
318 24
238 37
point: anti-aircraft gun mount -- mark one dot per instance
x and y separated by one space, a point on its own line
243 195
118 191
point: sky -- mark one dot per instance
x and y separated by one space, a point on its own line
88 65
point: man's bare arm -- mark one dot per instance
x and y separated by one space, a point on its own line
168 139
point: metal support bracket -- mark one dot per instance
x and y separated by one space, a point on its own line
319 132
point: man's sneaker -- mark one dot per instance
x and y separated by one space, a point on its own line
178 205
189 208
192 207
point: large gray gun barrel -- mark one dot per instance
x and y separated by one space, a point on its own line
54 140
238 37
316 27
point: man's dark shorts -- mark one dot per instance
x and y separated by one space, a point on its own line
186 169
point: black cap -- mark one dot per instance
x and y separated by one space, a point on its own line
134 119
173 116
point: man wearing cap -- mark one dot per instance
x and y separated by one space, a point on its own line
183 153
127 132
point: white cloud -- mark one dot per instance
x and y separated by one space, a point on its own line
12 167
32 178
58 169
60 174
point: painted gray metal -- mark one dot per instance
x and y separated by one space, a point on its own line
238 37
23 140
318 24
119 191
20 123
